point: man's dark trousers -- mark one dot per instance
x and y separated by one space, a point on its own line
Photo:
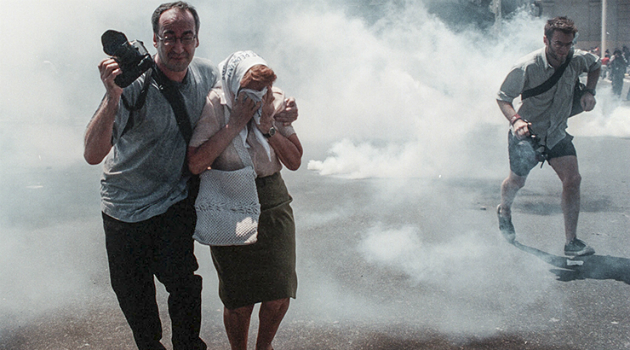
163 247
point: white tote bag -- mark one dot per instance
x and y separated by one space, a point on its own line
227 207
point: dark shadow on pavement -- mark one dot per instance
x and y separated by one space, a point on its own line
586 267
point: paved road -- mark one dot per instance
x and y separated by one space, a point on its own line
383 263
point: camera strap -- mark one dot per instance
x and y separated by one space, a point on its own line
139 103
143 94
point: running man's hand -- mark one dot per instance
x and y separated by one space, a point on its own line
520 128
587 101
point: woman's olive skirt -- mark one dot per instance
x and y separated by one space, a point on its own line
265 270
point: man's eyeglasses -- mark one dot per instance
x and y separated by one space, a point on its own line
169 40
560 44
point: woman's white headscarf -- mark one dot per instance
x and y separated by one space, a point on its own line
232 71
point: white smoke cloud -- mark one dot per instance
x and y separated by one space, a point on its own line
457 277
404 249
609 118
425 90
48 267
462 258
366 160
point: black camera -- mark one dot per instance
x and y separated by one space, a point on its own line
132 57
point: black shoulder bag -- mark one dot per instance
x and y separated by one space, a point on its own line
578 89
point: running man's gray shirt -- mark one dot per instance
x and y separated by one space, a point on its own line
549 111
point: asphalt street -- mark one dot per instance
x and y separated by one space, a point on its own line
416 264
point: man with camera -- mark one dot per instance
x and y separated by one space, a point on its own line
148 218
545 79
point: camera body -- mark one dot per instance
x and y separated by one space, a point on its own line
132 57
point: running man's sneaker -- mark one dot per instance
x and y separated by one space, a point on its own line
505 226
578 248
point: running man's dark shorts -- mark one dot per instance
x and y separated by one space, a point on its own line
524 156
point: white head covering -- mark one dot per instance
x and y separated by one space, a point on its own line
233 70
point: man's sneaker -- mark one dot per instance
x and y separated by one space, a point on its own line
505 226
578 248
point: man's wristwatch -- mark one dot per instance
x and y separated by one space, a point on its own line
591 91
271 132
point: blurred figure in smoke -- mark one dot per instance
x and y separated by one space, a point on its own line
617 67
265 270
538 130
605 62
148 220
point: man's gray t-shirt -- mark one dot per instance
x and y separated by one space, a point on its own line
142 175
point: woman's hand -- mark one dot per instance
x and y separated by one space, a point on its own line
268 109
242 111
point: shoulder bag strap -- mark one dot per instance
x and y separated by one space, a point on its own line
549 83
176 100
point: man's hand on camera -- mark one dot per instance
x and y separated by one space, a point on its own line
521 129
109 71
289 114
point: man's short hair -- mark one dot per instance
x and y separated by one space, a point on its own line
562 24
155 18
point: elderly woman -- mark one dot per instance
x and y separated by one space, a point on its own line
263 271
